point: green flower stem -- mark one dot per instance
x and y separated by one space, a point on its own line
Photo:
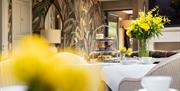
37 85
142 48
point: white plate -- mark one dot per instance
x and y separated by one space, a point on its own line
168 90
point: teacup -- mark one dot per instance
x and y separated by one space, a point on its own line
156 83
146 60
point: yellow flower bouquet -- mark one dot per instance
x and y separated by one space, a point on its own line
147 25
40 69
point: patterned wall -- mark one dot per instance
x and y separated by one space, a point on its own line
80 18
10 25
39 11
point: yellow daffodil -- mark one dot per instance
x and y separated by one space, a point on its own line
130 28
134 22
149 19
157 20
141 14
125 51
144 26
165 19
122 50
128 33
129 51
140 20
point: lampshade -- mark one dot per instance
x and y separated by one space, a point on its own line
126 23
52 35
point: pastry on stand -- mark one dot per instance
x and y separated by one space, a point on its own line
104 52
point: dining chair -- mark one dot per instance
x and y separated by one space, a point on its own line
157 53
169 67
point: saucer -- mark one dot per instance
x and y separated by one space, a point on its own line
171 89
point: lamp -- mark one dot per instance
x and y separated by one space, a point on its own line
53 36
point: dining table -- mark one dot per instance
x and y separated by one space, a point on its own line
113 74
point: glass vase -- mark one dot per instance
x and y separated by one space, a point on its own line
122 56
142 48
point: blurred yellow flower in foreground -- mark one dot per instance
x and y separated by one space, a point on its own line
30 57
42 70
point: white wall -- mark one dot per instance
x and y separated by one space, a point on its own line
169 35
4 23
0 25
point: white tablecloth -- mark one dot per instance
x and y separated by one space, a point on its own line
114 74
13 88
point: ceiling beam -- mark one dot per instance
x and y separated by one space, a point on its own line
117 5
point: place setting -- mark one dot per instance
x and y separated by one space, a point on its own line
156 83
